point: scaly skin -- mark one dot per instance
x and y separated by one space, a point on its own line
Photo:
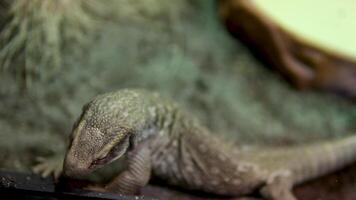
162 140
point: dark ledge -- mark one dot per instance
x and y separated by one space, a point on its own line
15 185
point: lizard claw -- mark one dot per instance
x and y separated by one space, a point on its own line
49 166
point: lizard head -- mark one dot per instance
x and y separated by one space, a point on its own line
106 130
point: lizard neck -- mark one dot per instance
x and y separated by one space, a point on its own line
190 156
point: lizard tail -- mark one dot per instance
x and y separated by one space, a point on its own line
320 159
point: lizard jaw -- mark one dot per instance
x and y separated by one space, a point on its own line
75 168
117 151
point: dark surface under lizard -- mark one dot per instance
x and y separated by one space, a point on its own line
19 186
335 186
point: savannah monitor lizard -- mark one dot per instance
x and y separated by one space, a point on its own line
164 141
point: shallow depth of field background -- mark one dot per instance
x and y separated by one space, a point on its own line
54 64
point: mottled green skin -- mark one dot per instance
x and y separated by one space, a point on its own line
162 140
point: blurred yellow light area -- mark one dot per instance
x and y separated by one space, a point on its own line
329 24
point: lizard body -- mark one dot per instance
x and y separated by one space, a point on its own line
164 141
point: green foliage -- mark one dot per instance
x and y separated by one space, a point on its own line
35 33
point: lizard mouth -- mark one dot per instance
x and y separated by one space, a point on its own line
116 152
100 162
103 161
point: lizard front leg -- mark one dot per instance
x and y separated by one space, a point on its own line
136 175
49 166
278 186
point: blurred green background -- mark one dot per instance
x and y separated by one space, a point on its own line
67 54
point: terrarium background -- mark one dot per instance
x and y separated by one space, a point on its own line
179 49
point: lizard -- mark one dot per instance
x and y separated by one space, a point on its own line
162 140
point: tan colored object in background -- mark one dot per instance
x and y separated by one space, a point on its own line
308 63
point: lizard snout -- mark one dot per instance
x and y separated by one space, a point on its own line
75 168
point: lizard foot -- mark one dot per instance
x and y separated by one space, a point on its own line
278 187
49 166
